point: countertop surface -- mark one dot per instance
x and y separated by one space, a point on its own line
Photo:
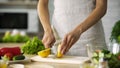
33 64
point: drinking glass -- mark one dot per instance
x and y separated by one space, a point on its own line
3 64
96 47
92 47
87 65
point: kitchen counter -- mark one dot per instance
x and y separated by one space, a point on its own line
10 44
32 64
54 65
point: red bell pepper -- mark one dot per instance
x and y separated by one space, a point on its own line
14 50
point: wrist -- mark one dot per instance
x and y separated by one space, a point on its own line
48 30
79 30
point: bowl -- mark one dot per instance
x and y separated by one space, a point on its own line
3 64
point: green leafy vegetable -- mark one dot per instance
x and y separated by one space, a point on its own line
15 39
113 59
32 46
8 38
105 54
115 32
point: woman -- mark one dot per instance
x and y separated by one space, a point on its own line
76 23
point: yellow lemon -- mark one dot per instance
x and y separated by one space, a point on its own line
59 54
44 53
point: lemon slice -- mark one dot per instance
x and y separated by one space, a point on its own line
44 53
59 54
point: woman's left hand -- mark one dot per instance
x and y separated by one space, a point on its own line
69 39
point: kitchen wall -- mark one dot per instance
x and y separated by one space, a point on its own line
112 15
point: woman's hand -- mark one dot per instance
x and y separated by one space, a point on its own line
69 40
43 12
48 39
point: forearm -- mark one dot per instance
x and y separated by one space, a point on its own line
94 17
43 13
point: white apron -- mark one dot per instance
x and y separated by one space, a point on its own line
67 15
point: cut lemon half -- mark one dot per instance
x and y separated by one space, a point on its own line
44 53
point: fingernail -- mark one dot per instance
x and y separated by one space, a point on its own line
63 52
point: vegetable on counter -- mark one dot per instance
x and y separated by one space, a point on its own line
113 59
8 56
32 46
98 54
115 34
8 53
19 57
14 37
13 50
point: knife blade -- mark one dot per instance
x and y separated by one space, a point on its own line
54 53
54 49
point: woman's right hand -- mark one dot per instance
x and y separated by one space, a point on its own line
43 11
48 39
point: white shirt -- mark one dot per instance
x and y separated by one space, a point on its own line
67 15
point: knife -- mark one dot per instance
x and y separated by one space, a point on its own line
55 48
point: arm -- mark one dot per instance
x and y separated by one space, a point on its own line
93 18
43 12
44 15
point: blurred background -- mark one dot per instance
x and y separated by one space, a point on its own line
22 15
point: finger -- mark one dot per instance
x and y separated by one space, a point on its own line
44 42
51 44
73 41
70 39
64 50
69 45
64 42
46 45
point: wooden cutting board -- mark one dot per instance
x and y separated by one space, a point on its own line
65 59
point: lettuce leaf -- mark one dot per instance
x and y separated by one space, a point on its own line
32 46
